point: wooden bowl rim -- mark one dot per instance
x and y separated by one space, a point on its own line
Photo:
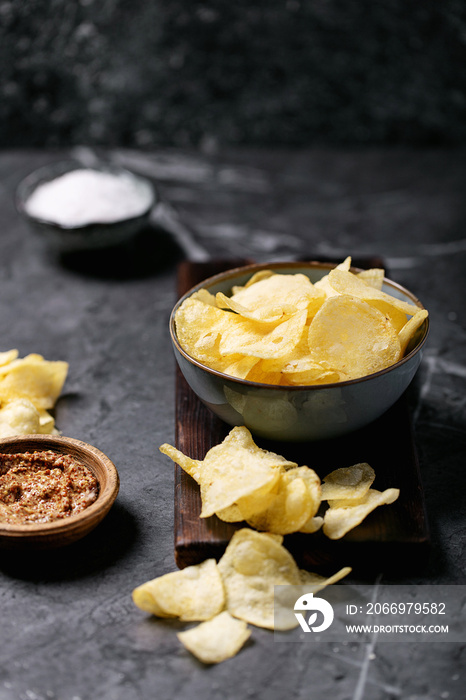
88 455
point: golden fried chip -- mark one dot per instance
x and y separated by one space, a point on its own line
348 482
307 371
47 423
408 331
285 293
235 468
286 596
190 466
340 520
352 337
316 583
33 378
374 277
193 593
205 296
312 525
8 356
19 417
266 313
324 283
296 500
199 326
346 283
251 338
217 639
253 563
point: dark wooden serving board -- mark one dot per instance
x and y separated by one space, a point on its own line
389 540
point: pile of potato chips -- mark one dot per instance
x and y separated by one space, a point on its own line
282 329
29 387
225 596
240 481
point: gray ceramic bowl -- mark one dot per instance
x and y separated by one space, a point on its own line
297 413
93 235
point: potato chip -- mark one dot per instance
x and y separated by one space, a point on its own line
250 338
346 283
348 482
205 296
190 466
295 501
198 327
19 417
266 313
408 331
47 423
193 593
340 520
217 639
246 506
235 468
324 283
8 356
352 337
230 514
240 368
286 596
307 371
285 293
256 277
374 277
33 378
315 582
253 563
312 525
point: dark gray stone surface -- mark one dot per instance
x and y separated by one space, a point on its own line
68 627
159 73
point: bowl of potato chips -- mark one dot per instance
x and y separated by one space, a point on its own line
299 351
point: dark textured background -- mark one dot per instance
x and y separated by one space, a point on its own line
148 73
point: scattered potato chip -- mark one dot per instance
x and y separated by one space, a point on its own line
8 356
279 329
286 596
217 639
28 387
316 583
343 518
235 468
253 563
348 482
193 593
295 503
312 525
33 378
17 417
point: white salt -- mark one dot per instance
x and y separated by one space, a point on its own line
87 196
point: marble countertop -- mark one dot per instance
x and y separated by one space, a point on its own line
69 629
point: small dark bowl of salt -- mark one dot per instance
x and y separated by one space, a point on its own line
76 207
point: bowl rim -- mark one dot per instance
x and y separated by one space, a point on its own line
313 264
100 506
51 171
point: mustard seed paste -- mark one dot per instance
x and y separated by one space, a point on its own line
40 487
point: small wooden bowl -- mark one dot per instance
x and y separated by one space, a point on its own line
67 530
